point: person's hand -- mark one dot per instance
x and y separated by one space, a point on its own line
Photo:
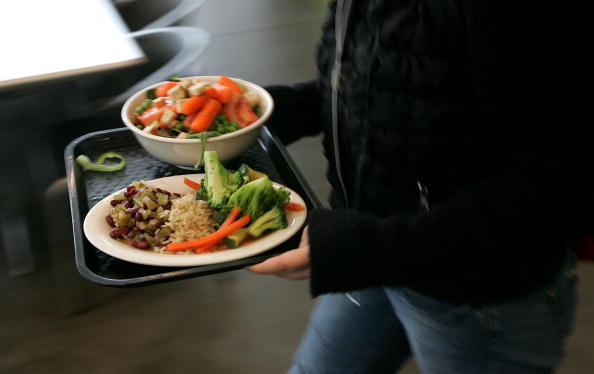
293 264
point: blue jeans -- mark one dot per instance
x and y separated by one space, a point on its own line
376 330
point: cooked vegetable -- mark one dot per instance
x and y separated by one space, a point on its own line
232 216
223 126
193 104
190 183
139 214
226 81
257 197
274 219
206 116
151 115
176 109
220 234
144 106
219 183
100 165
294 206
219 92
235 239
162 90
245 113
239 110
203 136
250 173
229 220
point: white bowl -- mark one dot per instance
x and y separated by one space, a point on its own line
185 152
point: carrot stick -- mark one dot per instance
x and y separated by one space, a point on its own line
231 217
162 89
215 237
226 81
294 206
220 93
205 117
193 104
190 183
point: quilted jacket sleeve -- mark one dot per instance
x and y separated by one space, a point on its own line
296 111
506 234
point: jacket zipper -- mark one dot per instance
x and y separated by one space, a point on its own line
339 32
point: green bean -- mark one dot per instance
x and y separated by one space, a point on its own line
144 106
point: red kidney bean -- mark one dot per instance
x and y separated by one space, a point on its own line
110 220
138 216
129 204
133 211
131 192
137 229
167 206
159 223
144 206
130 188
114 202
140 245
119 232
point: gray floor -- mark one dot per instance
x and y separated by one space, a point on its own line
53 321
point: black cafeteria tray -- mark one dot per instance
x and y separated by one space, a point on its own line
87 188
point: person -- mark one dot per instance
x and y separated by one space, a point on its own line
458 147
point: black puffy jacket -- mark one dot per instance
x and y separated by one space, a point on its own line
476 101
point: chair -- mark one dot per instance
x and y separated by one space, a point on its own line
148 14
95 104
170 51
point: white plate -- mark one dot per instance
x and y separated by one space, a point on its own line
97 232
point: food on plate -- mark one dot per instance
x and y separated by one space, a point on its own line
100 165
186 107
139 215
221 212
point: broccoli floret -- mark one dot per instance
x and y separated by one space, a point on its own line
274 219
257 197
218 183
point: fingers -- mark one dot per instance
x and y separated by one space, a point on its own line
304 238
292 260
293 264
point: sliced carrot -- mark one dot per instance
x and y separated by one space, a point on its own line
205 117
215 237
162 89
294 206
190 183
226 81
150 115
193 104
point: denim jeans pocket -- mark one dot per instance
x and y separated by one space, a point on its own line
532 331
